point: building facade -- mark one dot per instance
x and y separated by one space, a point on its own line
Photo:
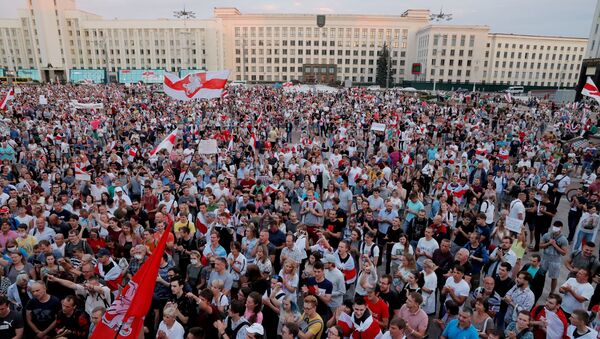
51 37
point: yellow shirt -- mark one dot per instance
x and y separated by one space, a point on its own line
27 243
178 225
314 325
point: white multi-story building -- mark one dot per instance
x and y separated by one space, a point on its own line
51 37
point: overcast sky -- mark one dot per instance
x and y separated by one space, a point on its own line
544 17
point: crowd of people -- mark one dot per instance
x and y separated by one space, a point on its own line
347 214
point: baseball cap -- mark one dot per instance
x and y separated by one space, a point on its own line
103 252
328 258
256 328
4 209
118 189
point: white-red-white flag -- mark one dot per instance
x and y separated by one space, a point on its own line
207 85
287 84
508 97
590 90
252 142
81 174
168 143
8 96
224 94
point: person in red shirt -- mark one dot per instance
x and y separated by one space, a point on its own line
379 308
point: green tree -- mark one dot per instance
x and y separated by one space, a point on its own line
383 69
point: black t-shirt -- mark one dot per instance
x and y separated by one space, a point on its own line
9 324
43 314
334 226
460 239
544 221
186 306
391 299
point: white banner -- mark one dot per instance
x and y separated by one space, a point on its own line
378 127
43 100
77 105
208 146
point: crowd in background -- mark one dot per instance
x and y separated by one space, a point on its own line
350 214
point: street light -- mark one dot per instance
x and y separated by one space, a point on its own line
439 17
185 15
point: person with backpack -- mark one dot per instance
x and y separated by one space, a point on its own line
235 325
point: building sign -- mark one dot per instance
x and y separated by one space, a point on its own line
97 76
33 74
147 76
184 72
416 69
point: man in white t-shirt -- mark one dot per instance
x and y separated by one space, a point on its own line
425 247
456 288
516 213
576 289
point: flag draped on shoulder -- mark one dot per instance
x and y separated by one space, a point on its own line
207 85
125 317
8 96
590 90
168 143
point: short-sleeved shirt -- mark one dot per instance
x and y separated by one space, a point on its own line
550 252
569 303
226 277
417 321
314 325
315 288
453 331
44 314
379 310
10 324
461 288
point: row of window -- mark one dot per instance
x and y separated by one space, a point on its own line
453 40
331 32
525 55
535 47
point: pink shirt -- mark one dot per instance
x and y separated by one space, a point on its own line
259 316
4 238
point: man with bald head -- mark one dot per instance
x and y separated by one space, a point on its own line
42 310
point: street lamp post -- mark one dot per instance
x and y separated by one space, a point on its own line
186 15
439 17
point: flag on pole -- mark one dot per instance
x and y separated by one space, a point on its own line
590 90
125 317
224 94
206 85
168 143
9 96
508 98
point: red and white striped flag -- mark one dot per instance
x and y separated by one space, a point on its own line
132 151
287 84
9 96
207 85
590 90
168 143
224 94
81 174
508 98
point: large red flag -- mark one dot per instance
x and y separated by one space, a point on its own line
126 314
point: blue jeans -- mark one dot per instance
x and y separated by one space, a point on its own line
579 239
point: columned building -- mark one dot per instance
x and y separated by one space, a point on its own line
50 38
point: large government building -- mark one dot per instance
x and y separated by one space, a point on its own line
53 40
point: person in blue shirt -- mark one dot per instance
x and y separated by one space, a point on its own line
461 328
